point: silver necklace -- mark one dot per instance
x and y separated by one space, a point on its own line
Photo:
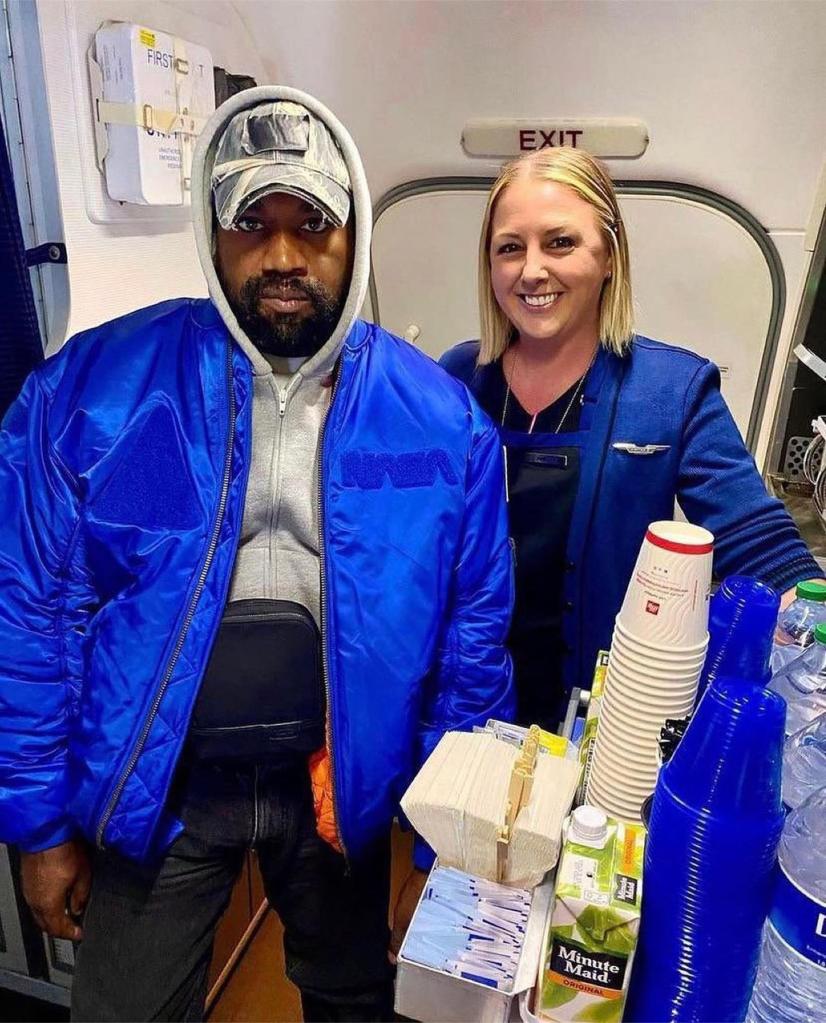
568 407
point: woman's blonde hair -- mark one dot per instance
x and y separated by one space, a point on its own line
581 172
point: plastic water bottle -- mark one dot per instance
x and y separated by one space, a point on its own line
802 683
804 762
796 625
791 980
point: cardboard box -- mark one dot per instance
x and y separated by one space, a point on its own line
589 735
431 996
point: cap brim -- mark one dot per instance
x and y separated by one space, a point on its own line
235 195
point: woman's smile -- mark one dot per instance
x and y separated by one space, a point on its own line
540 303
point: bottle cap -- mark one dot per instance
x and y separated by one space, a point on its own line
589 825
820 633
811 591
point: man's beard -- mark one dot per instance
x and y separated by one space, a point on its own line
286 334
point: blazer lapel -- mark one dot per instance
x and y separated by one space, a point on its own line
603 406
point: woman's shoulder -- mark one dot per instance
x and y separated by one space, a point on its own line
664 365
485 383
648 352
460 360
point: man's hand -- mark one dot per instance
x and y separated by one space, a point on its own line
405 907
56 886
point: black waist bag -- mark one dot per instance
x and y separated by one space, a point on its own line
262 697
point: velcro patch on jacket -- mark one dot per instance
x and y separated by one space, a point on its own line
368 470
151 487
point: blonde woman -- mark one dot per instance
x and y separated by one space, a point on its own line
602 428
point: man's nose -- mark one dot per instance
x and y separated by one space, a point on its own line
283 255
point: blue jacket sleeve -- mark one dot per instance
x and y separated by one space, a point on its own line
37 533
720 488
473 680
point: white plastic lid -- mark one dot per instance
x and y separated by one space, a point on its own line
589 825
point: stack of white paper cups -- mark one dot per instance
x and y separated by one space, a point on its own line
657 654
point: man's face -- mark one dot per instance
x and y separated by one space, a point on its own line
285 270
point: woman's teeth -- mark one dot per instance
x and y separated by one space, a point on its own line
540 301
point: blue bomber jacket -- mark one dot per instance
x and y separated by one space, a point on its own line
123 468
667 398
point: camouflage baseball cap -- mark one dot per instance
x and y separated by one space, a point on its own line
279 147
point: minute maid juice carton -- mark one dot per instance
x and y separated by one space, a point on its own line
593 930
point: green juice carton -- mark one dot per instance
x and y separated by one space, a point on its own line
592 933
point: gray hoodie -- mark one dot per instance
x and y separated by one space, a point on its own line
278 554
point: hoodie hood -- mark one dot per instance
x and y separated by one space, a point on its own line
324 359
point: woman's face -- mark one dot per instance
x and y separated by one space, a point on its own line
548 261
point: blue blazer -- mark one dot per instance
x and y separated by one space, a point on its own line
663 395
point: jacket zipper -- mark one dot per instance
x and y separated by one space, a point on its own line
323 594
190 614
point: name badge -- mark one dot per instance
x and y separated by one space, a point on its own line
547 459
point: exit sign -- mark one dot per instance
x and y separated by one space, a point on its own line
611 139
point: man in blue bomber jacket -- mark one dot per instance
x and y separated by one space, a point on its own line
253 564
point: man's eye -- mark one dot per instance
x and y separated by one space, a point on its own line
247 225
316 225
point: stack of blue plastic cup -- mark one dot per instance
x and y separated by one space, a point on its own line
715 824
741 623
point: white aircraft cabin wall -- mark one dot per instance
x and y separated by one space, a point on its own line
731 93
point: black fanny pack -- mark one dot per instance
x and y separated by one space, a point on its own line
262 697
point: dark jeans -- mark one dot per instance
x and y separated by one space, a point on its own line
148 932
